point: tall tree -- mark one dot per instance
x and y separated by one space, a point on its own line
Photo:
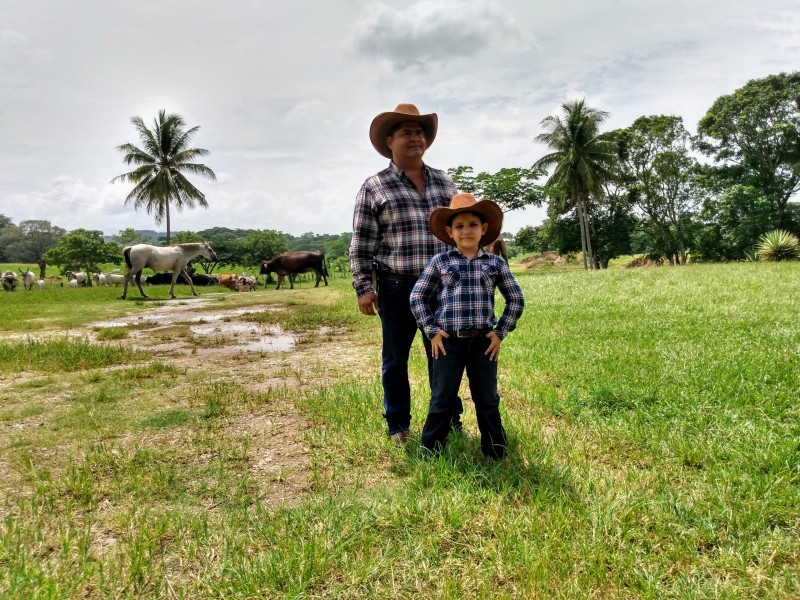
583 159
10 238
159 178
83 249
753 134
511 188
29 241
261 245
129 237
659 174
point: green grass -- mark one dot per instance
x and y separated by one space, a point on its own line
654 432
63 354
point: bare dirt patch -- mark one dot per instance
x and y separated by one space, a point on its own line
645 261
543 260
258 357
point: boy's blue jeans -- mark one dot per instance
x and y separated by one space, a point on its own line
399 328
465 354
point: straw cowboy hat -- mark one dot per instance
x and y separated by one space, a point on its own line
383 123
460 203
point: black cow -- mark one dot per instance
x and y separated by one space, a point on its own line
166 279
291 263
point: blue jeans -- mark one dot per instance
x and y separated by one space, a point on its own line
465 353
399 328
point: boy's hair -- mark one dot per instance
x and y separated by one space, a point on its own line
466 212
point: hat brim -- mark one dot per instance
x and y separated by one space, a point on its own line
384 122
491 212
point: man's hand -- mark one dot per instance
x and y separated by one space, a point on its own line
494 348
437 345
368 304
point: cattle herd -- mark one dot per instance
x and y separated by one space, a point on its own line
287 264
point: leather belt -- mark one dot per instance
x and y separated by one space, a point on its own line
470 333
389 276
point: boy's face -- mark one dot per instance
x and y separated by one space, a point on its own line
467 231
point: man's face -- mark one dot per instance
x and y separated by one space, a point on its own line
408 142
467 231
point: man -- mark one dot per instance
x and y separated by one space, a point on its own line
391 240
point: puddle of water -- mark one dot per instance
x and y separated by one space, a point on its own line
223 328
270 343
257 337
269 339
166 319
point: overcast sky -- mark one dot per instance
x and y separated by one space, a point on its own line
284 92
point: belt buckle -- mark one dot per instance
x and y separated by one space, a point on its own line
465 333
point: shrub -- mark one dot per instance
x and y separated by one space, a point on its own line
778 245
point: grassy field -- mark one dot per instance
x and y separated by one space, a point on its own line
654 430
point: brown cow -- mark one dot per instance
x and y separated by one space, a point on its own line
290 263
498 248
229 281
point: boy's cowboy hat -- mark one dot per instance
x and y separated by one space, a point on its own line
383 123
460 203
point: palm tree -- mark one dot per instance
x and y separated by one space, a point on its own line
583 161
158 178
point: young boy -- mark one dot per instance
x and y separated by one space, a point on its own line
464 332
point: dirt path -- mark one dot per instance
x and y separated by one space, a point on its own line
254 356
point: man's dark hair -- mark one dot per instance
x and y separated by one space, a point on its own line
394 129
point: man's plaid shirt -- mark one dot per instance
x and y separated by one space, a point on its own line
390 224
465 290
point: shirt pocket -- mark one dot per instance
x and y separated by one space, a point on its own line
451 277
488 276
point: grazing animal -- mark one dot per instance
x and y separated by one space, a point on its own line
10 280
289 263
78 276
40 284
73 283
498 248
172 258
229 281
202 279
114 279
165 278
28 279
99 279
246 283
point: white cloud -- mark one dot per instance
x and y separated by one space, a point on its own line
430 32
284 106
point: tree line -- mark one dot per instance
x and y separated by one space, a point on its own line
644 190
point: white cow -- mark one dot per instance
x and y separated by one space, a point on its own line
99 279
115 279
81 278
40 284
28 279
73 283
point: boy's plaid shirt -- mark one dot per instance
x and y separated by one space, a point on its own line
390 224
465 290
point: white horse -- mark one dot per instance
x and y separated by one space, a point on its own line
172 258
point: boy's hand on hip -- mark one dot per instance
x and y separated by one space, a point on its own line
437 345
494 347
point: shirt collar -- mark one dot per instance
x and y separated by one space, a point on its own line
454 252
398 171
